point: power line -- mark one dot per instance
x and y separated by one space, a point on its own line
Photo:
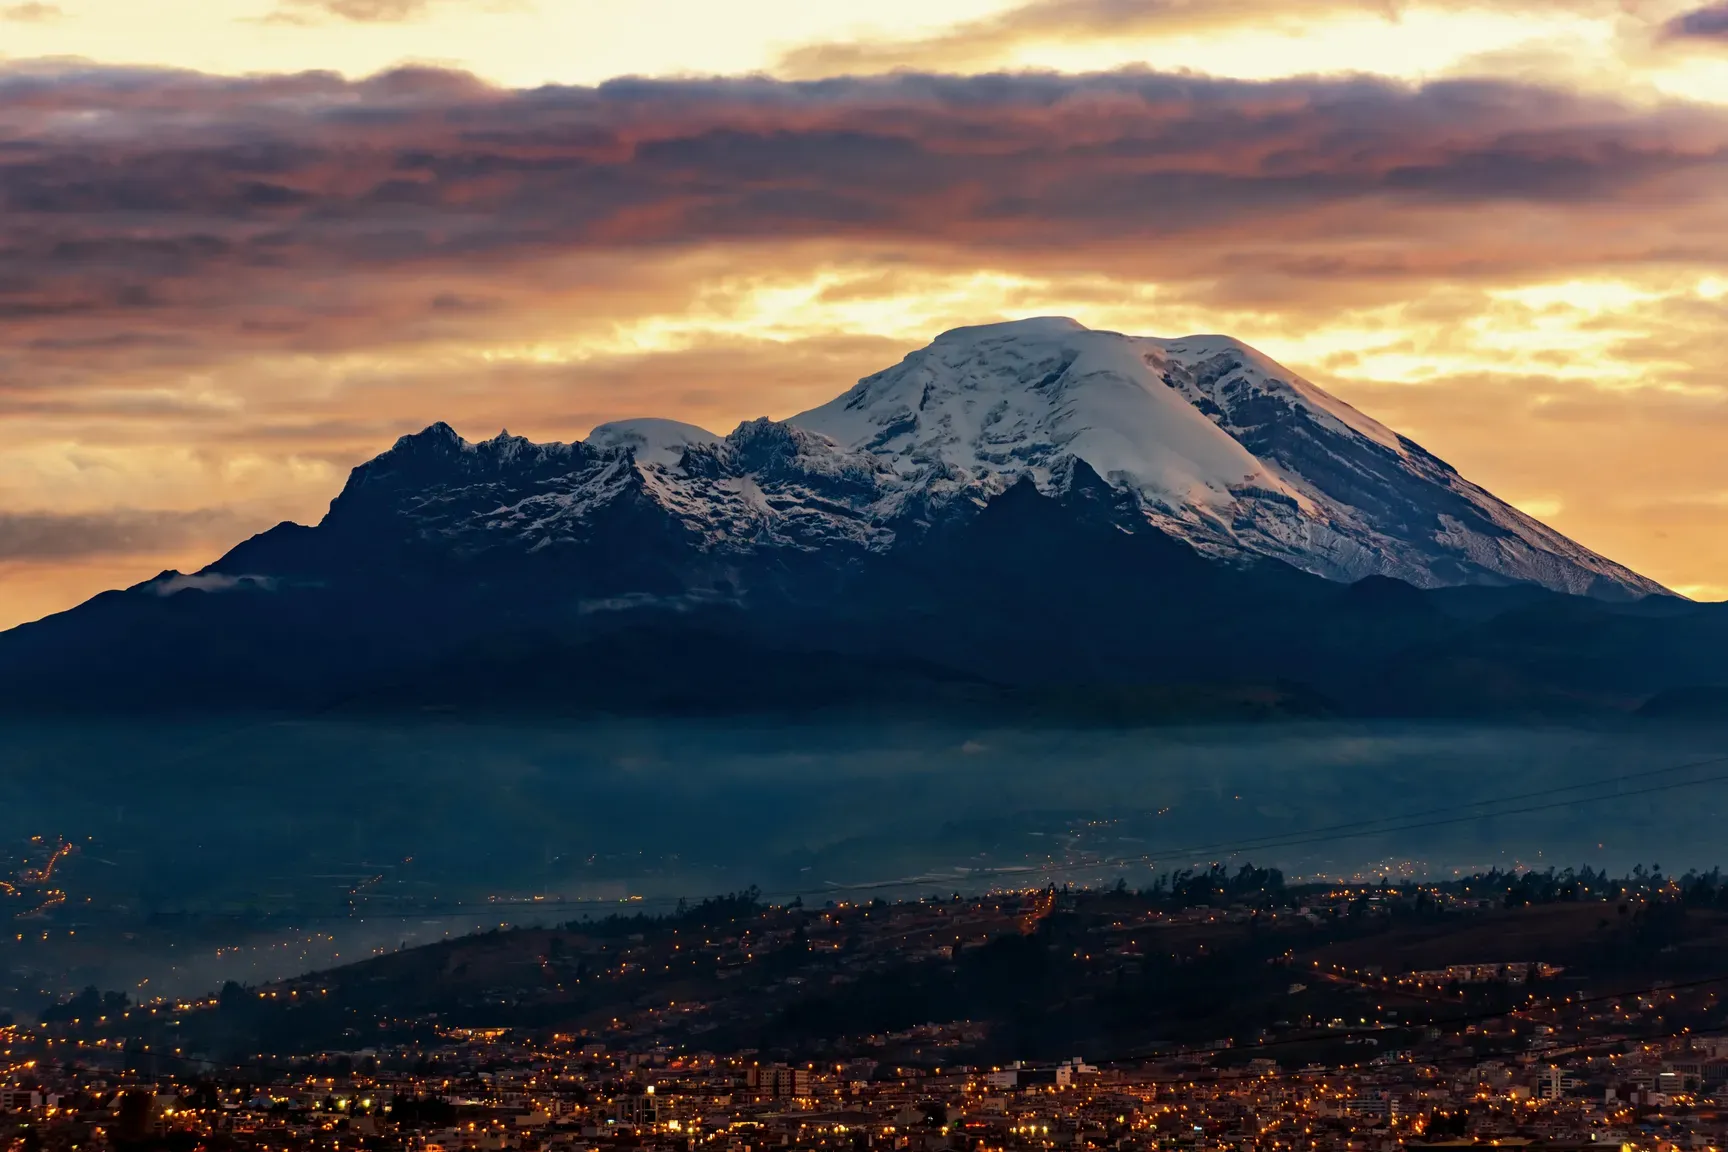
1415 821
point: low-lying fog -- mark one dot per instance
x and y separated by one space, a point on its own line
252 849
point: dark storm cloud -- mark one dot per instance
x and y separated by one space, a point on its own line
49 536
1707 23
312 161
257 209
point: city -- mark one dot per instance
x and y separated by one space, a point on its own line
1224 1010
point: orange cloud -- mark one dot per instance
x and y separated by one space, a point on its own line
32 13
355 11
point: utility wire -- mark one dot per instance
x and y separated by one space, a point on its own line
1414 821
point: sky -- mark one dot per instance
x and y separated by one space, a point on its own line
244 244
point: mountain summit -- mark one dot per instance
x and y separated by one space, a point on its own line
1221 446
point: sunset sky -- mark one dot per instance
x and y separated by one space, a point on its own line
244 244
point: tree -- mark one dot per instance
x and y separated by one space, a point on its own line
133 1124
86 1005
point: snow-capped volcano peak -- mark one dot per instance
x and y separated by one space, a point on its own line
1017 397
1223 447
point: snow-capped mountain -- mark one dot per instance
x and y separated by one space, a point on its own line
1221 446
1202 438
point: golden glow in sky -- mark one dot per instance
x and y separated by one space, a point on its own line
523 43
513 42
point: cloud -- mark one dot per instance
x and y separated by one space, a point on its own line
156 211
357 11
158 226
50 536
993 40
371 11
33 13
1707 23
208 582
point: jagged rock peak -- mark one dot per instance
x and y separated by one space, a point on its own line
437 436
